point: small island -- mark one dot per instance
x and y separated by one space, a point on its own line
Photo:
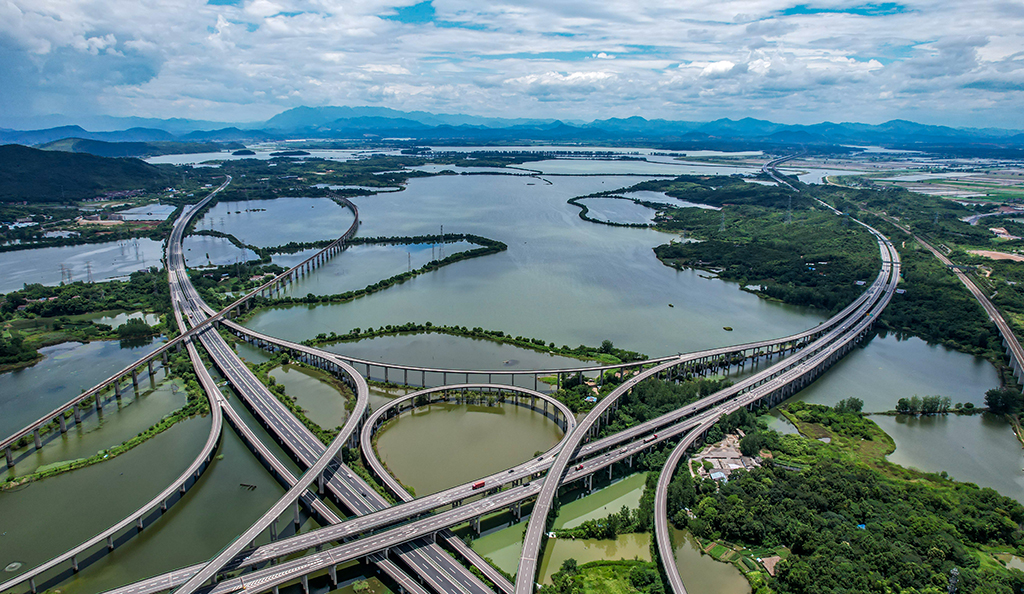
243 152
295 153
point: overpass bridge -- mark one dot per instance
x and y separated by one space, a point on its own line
517 492
508 498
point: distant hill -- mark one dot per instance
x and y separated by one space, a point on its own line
135 149
369 124
54 176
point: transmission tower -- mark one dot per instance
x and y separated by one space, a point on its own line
789 210
954 580
88 271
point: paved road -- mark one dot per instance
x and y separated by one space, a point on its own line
810 368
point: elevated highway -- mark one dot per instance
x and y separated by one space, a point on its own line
802 374
405 523
768 382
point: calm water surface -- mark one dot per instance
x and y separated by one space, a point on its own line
323 404
616 210
204 250
265 223
107 260
363 265
66 370
477 440
562 279
703 575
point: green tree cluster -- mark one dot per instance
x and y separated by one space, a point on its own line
1004 400
929 405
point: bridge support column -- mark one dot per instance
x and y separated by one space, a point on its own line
609 472
135 381
78 415
149 366
10 459
74 563
36 439
273 531
117 389
305 584
138 523
32 585
297 523
476 525
333 572
110 543
63 423
163 505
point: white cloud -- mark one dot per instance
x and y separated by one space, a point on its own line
185 58
393 69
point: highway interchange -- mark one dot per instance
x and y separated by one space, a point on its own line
409 529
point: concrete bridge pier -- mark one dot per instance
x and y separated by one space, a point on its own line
110 543
63 423
476 525
333 572
10 458
117 390
273 531
135 381
78 415
305 584
36 439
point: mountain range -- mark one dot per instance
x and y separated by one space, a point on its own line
373 124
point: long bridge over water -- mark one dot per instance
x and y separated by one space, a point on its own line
410 530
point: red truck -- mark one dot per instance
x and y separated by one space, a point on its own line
478 485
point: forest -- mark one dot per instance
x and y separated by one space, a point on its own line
851 527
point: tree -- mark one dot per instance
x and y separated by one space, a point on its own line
849 405
570 566
134 328
607 346
1004 400
752 444
903 406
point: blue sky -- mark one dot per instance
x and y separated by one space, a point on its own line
935 61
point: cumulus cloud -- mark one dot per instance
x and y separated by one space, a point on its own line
790 61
